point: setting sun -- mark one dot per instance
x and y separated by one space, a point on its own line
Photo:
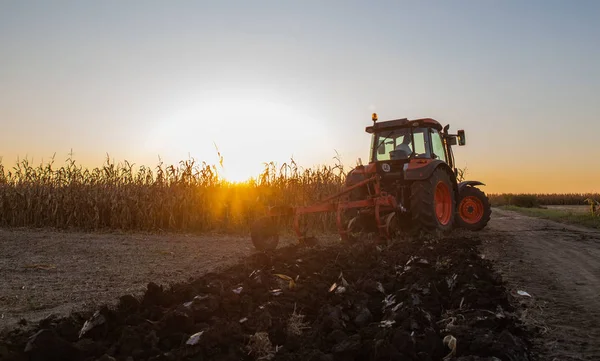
247 131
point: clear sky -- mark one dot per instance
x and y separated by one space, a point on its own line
267 80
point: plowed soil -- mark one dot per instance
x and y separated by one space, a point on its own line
343 302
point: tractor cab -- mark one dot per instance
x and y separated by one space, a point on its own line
396 143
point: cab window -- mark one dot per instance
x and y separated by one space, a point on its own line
421 145
438 146
384 149
388 141
401 138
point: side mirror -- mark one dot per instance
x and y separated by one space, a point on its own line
381 149
461 137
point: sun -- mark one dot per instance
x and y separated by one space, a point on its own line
246 131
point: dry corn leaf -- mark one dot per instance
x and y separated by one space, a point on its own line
450 341
386 323
194 338
276 292
96 320
343 280
291 281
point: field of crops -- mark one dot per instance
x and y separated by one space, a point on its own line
189 196
544 199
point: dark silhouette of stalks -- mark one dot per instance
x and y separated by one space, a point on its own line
189 196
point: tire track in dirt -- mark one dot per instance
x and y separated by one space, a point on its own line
559 265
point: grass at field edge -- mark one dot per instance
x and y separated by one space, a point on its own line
563 216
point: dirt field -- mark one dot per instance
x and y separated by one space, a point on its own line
557 264
45 272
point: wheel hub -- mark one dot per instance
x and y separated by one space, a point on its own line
471 209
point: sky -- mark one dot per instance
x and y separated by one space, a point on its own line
271 80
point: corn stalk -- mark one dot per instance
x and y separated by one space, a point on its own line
594 206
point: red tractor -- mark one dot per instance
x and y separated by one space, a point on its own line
409 185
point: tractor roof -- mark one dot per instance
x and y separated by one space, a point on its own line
403 123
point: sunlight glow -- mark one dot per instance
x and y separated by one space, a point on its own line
248 132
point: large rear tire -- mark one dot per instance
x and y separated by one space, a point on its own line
474 210
265 234
433 204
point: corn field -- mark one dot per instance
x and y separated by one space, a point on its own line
189 196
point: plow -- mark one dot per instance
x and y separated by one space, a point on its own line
410 185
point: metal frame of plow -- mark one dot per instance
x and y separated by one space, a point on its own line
380 201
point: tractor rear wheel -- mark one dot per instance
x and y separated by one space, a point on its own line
265 234
433 203
474 210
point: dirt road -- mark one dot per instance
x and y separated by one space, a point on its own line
559 265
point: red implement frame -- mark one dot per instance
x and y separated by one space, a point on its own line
380 201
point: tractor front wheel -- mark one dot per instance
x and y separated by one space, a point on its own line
432 203
474 210
265 234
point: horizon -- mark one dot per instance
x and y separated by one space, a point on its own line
269 82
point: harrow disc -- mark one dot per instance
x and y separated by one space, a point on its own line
392 226
355 228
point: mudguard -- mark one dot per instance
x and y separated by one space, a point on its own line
420 171
463 184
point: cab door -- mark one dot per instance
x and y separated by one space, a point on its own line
438 151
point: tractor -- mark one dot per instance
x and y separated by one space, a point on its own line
409 185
